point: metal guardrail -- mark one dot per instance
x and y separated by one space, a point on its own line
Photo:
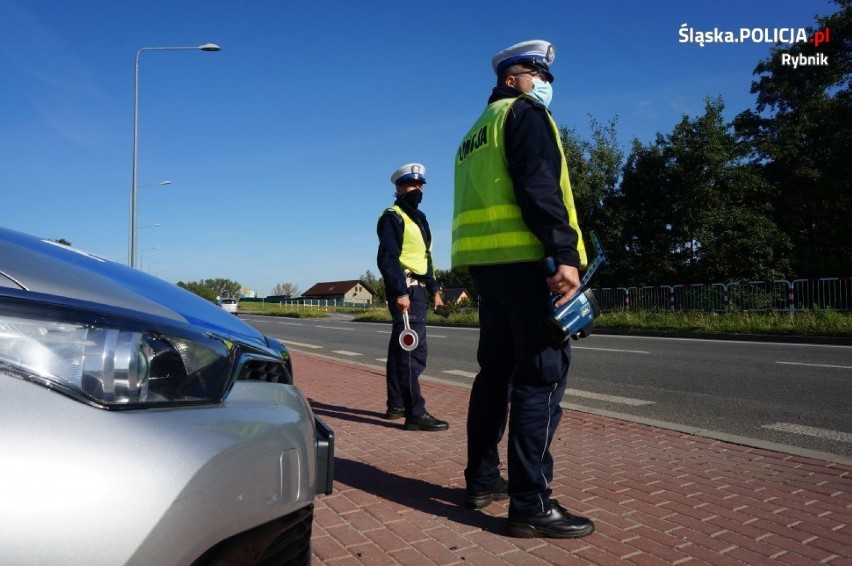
754 296
827 292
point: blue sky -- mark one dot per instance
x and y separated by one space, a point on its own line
279 148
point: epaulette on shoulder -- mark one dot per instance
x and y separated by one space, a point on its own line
395 214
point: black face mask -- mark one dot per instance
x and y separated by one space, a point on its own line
412 198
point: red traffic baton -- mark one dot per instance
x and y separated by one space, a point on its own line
408 339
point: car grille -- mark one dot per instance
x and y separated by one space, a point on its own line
283 541
262 370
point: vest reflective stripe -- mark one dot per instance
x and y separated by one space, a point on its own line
487 224
499 227
414 256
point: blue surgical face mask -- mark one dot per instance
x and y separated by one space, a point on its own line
542 91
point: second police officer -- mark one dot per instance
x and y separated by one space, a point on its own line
405 262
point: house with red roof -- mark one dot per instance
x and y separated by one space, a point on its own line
353 291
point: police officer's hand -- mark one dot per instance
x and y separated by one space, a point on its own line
439 302
440 309
565 282
402 303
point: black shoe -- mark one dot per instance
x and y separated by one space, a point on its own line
484 498
425 422
393 414
556 523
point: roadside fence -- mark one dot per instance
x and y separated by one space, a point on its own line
753 296
306 303
756 296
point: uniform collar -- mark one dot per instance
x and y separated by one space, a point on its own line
501 92
405 208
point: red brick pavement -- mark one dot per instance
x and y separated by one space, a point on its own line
657 496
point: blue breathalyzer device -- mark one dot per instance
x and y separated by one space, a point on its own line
574 319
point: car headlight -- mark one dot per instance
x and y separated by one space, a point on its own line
116 363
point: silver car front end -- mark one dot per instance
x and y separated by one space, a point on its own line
143 425
160 486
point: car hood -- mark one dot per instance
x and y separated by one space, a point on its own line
34 265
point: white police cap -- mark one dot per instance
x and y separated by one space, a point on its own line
537 52
409 171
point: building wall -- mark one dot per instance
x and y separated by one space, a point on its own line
358 294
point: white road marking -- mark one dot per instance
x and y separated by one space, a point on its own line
333 328
289 323
459 372
611 350
575 392
299 344
382 360
811 431
813 365
711 340
427 336
347 353
610 398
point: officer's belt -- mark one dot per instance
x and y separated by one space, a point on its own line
412 281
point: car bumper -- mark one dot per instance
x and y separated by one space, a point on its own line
325 456
161 486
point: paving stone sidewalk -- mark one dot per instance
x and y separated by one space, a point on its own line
657 496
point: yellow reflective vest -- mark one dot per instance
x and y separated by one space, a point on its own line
487 223
414 256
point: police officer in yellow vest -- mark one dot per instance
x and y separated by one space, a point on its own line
405 262
513 207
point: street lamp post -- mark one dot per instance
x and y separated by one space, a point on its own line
142 254
133 190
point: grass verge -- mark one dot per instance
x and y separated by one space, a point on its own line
814 322
806 323
289 311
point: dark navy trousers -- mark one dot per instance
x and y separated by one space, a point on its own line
404 368
521 379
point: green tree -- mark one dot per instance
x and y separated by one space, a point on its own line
801 132
212 288
199 289
695 210
450 279
595 171
375 284
646 248
285 289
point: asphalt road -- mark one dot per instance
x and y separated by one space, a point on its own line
783 396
